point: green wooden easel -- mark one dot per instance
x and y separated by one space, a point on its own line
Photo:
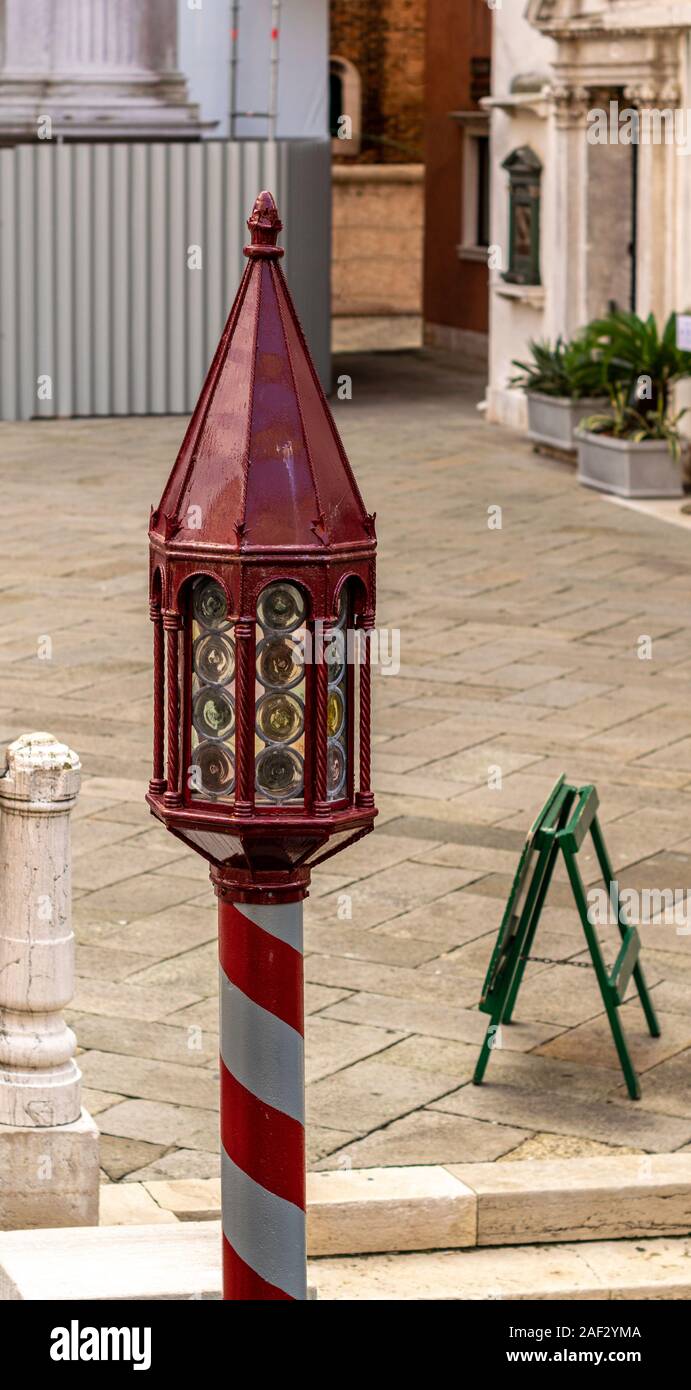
561 827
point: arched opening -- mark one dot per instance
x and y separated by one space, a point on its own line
282 695
208 691
345 106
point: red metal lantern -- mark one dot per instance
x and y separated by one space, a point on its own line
262 598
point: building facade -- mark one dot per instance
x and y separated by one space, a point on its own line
591 176
164 70
377 69
457 174
376 101
89 69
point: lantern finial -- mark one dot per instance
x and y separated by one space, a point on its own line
264 224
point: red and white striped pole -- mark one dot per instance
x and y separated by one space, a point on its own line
262 1099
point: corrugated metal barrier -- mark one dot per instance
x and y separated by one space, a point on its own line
106 305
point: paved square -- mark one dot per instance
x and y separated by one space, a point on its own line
523 655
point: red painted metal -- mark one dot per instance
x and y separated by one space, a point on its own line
261 490
261 455
171 625
157 784
321 804
365 796
244 699
262 1141
262 1104
242 1285
262 966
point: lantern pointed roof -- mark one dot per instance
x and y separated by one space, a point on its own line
261 466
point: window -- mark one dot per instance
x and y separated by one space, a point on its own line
336 100
482 189
212 655
525 171
345 102
475 196
280 694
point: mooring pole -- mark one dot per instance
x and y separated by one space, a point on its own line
262 726
262 1098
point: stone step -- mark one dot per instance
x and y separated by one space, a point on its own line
181 1260
379 1210
593 1270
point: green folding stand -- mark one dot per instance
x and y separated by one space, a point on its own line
561 827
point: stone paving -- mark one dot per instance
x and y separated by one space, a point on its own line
520 651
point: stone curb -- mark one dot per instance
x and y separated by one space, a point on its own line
180 1260
381 1210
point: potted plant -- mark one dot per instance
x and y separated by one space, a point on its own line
563 384
636 450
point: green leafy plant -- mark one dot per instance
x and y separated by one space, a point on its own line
573 369
627 422
636 355
641 365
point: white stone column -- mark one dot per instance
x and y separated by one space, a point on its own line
104 69
565 244
659 168
40 1083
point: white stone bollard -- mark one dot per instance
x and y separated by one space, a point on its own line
40 1082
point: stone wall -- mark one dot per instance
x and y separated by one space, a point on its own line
377 239
386 43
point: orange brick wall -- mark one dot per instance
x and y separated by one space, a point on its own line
385 40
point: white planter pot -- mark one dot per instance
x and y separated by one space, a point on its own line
613 465
553 420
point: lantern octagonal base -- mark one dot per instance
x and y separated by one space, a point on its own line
264 853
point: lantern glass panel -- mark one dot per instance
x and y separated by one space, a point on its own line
212 775
336 657
279 744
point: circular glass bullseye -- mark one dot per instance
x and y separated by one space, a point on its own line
279 662
334 713
214 658
281 608
210 604
212 712
280 718
334 656
335 768
279 773
342 608
216 768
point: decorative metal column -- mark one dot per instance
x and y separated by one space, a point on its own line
262 774
262 1098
